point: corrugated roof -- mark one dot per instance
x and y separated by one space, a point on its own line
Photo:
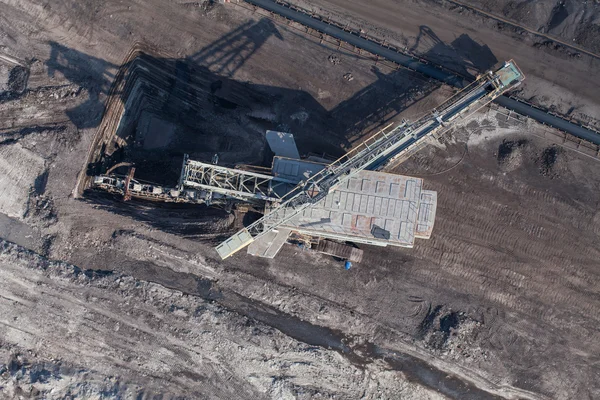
427 209
373 207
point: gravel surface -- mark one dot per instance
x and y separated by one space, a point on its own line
501 302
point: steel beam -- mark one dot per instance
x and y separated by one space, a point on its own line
375 152
234 183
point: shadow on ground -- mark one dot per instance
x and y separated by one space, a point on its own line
463 55
160 108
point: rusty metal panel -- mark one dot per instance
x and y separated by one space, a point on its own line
340 250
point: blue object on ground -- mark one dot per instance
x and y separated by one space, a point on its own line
347 265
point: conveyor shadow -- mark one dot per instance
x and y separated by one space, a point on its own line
463 55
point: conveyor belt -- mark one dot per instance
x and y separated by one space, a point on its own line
426 69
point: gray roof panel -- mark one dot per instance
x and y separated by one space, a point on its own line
374 207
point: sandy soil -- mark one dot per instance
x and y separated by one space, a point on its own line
15 184
500 303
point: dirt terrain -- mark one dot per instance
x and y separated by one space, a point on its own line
470 43
137 339
104 298
573 21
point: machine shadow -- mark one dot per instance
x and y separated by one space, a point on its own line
463 55
160 108
90 73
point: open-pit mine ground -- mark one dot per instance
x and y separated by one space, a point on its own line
105 298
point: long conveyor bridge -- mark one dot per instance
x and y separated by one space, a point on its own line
377 151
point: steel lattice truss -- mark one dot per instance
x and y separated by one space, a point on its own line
233 183
375 152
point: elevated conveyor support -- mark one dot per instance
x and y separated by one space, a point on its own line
232 183
376 152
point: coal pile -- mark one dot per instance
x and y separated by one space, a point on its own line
511 154
548 160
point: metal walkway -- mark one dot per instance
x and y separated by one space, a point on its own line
200 183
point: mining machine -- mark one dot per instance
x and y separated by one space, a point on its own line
377 152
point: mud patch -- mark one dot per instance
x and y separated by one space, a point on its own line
442 324
588 36
13 81
17 80
186 220
451 334
559 14
427 322
473 125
